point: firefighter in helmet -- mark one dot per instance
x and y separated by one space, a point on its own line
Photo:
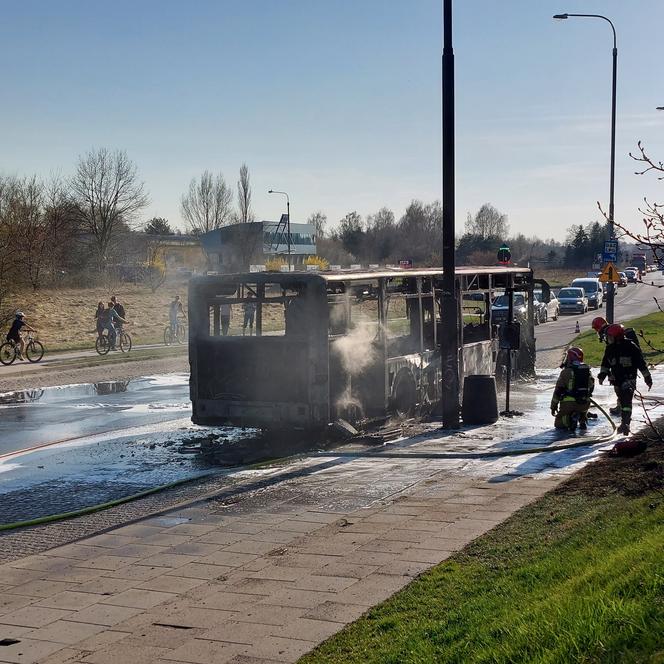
571 396
601 325
622 359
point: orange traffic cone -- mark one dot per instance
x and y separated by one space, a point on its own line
577 329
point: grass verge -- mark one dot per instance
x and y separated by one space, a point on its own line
576 577
652 344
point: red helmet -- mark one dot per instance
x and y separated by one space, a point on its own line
615 332
598 323
574 355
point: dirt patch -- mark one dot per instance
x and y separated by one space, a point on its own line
627 476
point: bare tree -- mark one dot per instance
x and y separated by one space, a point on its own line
487 223
318 220
653 212
108 196
208 203
9 259
244 196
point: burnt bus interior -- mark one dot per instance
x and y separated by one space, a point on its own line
300 350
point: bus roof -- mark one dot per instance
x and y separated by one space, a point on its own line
359 275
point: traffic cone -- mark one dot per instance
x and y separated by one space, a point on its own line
577 329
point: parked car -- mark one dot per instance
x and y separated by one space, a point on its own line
593 290
632 275
623 279
552 307
500 306
573 300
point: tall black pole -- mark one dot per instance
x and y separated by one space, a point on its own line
288 231
450 311
610 295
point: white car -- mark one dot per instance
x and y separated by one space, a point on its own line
551 308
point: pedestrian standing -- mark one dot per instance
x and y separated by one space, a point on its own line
249 308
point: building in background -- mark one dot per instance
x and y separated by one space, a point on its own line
236 247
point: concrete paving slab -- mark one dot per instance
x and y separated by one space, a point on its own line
266 575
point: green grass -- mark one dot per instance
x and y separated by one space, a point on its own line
653 330
572 578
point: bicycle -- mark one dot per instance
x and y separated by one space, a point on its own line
34 350
179 335
122 340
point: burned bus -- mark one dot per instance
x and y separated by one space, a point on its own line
298 350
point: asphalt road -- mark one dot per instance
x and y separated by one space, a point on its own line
36 417
631 302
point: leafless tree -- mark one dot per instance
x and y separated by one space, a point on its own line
244 196
108 196
208 203
487 223
652 236
318 220
8 244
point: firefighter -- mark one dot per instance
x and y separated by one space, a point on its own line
571 396
622 359
600 325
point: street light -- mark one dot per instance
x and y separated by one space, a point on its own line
283 193
611 290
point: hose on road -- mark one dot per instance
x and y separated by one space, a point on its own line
97 508
584 442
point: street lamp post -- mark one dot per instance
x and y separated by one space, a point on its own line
612 235
283 193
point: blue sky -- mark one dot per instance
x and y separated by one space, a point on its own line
338 102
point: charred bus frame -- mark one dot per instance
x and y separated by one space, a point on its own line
327 345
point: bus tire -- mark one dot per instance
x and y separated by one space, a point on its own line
404 394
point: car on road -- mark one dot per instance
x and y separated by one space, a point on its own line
593 290
632 275
551 308
623 279
572 300
500 306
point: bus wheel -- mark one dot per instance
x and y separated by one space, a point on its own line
404 394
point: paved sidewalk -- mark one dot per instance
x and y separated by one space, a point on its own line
264 573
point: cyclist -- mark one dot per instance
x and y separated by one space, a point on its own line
119 310
15 330
174 311
110 318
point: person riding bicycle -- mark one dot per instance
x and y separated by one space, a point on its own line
622 359
175 310
110 318
15 330
571 397
119 310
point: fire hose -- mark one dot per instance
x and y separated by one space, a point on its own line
584 442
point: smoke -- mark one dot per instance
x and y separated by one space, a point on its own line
356 349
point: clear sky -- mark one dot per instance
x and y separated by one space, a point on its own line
337 102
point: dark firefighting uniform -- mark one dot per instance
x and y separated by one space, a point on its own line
622 359
572 396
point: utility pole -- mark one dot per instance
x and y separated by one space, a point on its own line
449 303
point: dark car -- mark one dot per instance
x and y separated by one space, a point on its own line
500 305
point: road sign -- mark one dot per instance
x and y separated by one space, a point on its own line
609 274
610 254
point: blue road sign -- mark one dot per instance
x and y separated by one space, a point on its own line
609 258
610 254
